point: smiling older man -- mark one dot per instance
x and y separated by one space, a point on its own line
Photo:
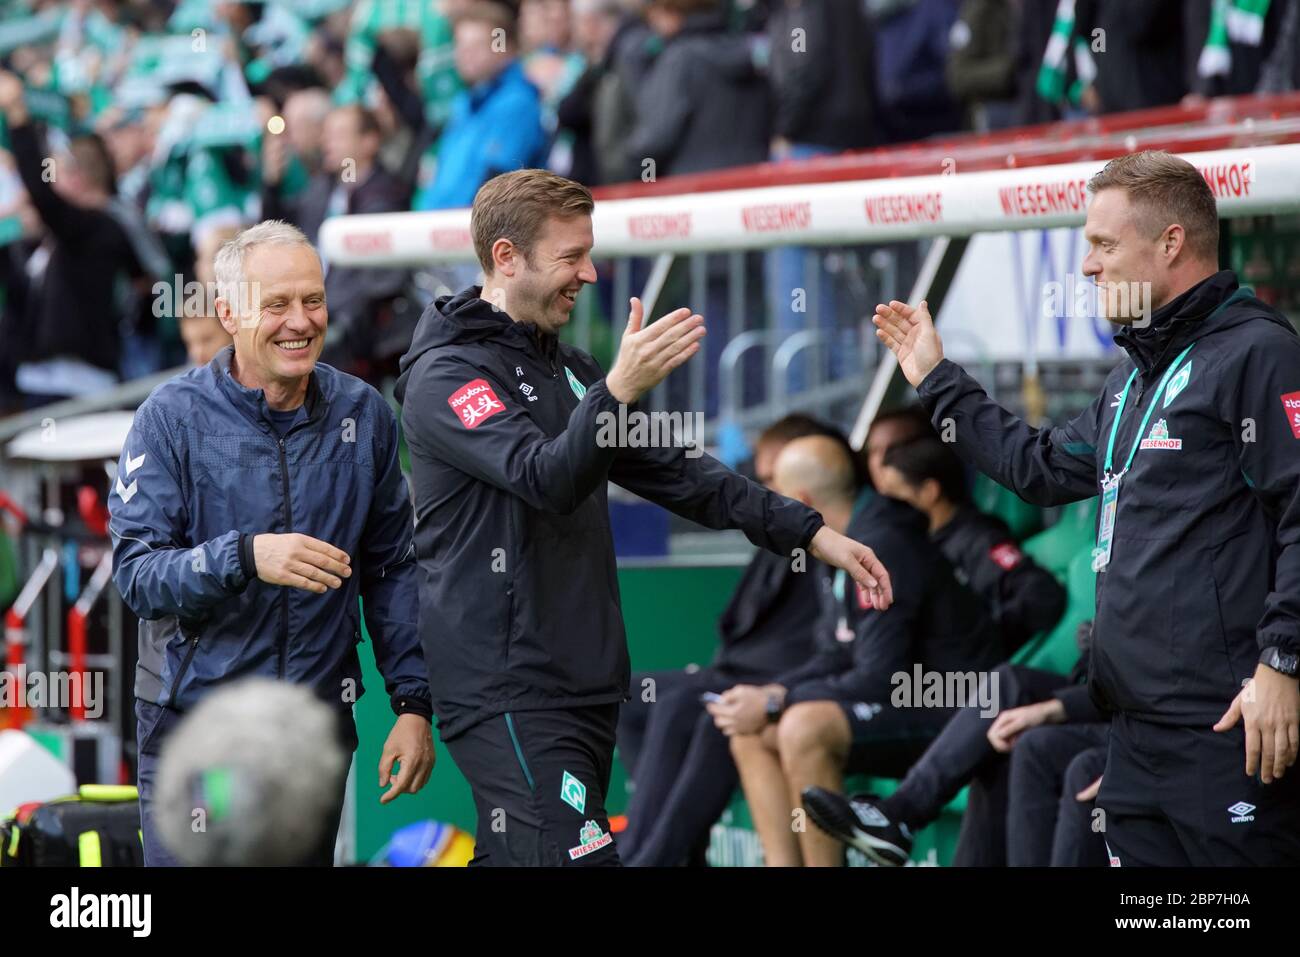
257 498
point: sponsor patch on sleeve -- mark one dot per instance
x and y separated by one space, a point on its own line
1291 406
475 402
1006 555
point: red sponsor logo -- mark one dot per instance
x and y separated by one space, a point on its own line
776 217
904 208
474 402
1044 199
864 598
659 226
1006 555
1229 179
1291 405
450 238
368 242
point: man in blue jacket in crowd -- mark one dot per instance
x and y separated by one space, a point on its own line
496 122
257 498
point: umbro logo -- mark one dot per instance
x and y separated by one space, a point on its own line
1242 812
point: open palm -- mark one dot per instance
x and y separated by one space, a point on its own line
909 333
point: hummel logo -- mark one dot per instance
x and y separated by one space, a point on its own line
1241 812
134 463
127 492
1115 404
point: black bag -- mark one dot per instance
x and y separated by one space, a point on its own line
97 827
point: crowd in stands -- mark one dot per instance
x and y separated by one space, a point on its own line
136 133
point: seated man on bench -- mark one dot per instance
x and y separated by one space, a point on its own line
853 707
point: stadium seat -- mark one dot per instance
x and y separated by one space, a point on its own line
1022 518
1074 531
1058 649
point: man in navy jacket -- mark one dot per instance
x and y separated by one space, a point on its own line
257 498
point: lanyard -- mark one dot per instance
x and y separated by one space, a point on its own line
1123 400
1242 292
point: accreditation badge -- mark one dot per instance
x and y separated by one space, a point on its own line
1106 529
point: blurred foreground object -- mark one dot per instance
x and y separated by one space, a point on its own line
250 777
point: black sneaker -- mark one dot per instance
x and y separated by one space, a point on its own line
859 823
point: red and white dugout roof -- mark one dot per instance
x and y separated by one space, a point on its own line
1247 148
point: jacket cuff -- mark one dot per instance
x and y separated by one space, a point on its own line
814 525
411 704
939 378
1279 633
247 564
1078 704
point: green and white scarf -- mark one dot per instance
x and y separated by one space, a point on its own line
1054 72
435 69
1231 21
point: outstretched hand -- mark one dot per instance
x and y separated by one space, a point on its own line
647 355
909 333
858 560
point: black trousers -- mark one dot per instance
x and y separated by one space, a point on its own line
1044 823
1077 842
540 779
680 764
962 755
1179 796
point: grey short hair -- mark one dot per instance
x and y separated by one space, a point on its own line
228 264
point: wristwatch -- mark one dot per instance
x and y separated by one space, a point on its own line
1280 661
774 708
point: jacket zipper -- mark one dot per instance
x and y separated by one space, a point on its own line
549 356
180 675
284 592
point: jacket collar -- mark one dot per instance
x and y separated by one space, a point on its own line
512 73
515 331
1176 323
252 402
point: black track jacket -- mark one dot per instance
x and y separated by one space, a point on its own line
1205 564
519 602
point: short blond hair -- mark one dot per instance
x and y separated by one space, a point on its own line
516 206
1166 190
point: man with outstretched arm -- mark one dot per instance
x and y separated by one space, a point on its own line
511 452
1194 446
